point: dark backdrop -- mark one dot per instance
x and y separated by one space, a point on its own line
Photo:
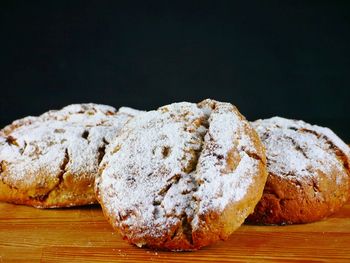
266 57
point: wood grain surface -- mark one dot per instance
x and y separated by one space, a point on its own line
83 235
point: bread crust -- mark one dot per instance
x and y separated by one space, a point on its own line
182 177
52 160
308 170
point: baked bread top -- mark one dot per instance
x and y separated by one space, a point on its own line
52 160
308 170
183 176
298 148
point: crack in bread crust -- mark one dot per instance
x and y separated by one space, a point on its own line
102 150
186 228
344 159
297 146
60 177
254 156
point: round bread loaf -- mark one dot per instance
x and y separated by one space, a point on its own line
52 160
308 170
183 176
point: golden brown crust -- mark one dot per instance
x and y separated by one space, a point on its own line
52 160
182 177
62 196
307 193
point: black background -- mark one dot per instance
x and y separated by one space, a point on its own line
267 57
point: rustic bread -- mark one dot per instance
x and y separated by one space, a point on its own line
183 176
308 170
52 160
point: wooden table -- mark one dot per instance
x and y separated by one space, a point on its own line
83 235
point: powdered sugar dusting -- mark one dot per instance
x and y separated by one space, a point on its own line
219 143
295 148
129 111
34 149
149 160
168 166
